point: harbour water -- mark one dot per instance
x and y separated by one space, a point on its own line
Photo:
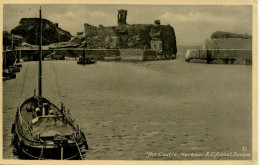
132 111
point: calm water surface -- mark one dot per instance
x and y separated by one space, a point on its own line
128 110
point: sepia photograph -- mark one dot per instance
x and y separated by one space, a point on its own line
127 81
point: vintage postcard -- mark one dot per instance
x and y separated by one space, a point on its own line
129 82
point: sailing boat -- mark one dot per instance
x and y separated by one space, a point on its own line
44 131
14 68
84 60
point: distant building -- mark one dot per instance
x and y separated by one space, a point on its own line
12 40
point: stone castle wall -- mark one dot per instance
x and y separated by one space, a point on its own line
99 54
101 37
125 36
130 37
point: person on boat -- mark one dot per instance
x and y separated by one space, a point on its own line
84 54
38 111
30 107
51 112
46 108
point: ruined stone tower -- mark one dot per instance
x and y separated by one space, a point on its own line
121 17
157 22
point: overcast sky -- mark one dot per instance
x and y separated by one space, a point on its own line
192 24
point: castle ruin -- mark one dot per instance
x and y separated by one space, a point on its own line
156 37
121 17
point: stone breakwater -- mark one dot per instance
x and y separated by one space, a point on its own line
223 48
220 56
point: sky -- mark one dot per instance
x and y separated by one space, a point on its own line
193 24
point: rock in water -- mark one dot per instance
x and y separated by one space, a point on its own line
51 32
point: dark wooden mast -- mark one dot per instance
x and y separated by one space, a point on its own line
40 55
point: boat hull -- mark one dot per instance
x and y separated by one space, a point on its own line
46 146
56 153
85 61
7 75
41 129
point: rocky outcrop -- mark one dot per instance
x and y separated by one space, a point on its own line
228 43
51 32
220 34
227 40
79 38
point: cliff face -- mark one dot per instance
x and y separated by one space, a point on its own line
51 33
138 36
79 38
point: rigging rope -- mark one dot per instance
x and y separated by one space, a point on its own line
36 80
78 149
43 146
24 81
56 81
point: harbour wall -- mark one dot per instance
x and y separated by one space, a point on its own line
99 54
223 51
228 43
220 56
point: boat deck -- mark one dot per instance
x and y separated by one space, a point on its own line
46 125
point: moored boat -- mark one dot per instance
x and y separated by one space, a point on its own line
18 65
7 72
8 75
14 69
86 60
43 131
